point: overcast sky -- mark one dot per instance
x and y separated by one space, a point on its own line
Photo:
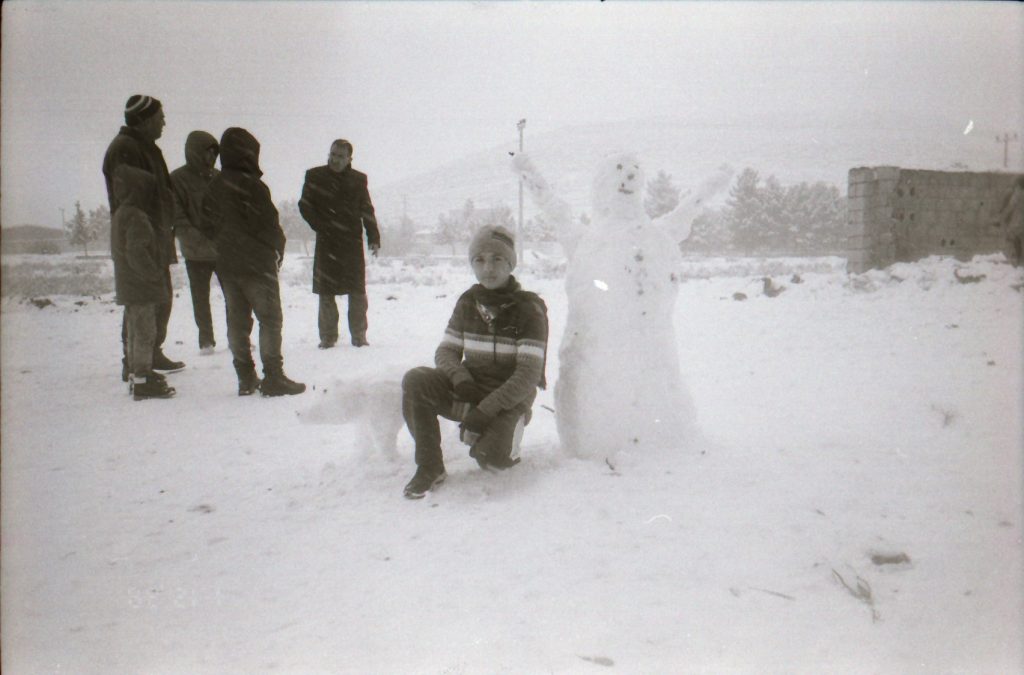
417 84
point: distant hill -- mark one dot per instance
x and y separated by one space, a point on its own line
792 148
30 232
32 239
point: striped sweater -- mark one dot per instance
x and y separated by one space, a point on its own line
497 339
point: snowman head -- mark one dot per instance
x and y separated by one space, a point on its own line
618 186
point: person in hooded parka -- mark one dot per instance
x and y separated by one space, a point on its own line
140 280
190 182
240 216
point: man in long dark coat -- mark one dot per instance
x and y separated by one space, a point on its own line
336 204
135 146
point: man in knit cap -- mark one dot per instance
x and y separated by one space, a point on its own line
135 146
488 367
190 182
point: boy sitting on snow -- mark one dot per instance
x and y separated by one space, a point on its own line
489 365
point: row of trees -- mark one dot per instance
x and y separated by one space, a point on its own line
760 217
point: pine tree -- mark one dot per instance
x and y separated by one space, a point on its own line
99 223
662 196
744 210
78 230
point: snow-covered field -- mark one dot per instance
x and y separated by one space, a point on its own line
855 506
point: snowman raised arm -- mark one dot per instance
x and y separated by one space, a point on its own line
554 209
678 223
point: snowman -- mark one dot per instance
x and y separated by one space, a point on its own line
619 387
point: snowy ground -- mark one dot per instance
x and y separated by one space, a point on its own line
856 506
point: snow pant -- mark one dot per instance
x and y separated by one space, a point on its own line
428 393
141 325
163 316
244 296
199 274
328 317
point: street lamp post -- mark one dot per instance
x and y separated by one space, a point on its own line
519 228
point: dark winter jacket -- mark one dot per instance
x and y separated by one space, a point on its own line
497 339
190 182
131 148
238 212
139 275
337 206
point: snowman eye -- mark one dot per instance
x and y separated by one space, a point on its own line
619 167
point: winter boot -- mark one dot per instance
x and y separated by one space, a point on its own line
359 341
151 386
424 481
278 384
248 383
161 362
132 380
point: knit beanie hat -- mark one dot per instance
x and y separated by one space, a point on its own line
140 108
496 239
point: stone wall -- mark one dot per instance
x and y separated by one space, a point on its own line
902 215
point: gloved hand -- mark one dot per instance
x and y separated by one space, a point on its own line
470 392
477 421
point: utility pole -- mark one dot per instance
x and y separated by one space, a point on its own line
1005 140
62 221
519 229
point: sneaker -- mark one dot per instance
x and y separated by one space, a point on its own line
151 387
360 342
248 384
326 344
161 362
278 384
423 482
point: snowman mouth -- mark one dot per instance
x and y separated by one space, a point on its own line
624 191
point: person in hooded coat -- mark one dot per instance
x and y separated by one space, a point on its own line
140 282
135 145
336 204
190 182
240 216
